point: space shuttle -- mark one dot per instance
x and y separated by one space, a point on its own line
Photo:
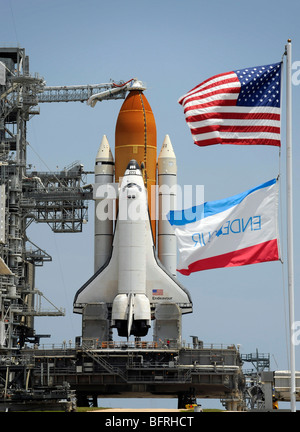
135 251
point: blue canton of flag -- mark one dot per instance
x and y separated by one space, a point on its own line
238 107
259 86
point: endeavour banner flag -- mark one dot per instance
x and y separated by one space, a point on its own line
235 231
239 107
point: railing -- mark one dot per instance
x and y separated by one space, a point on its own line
186 377
95 344
161 344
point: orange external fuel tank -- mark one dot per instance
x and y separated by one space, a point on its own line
135 138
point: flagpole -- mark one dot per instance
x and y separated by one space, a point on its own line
289 191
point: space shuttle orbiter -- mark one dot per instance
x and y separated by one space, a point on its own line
134 271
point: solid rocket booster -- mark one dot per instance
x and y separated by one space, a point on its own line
129 280
104 174
167 188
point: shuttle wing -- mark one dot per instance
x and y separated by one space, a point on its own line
160 285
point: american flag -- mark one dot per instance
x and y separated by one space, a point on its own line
238 107
158 292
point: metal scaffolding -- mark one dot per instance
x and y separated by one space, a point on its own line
59 199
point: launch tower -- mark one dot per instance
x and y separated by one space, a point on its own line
55 198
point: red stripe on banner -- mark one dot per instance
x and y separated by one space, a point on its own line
267 251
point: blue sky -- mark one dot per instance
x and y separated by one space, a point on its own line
171 46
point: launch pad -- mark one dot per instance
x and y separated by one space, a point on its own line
118 370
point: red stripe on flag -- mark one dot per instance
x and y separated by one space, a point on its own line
243 129
267 251
234 115
215 103
200 86
223 90
239 141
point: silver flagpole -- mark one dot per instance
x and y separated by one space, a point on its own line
289 191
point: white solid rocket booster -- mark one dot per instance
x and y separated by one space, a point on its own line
104 173
167 184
